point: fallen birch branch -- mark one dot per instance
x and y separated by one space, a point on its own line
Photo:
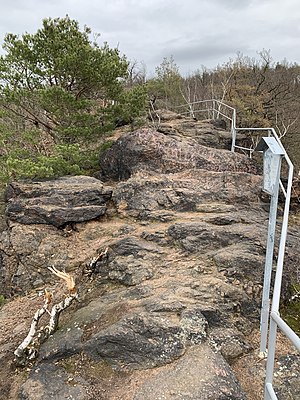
29 348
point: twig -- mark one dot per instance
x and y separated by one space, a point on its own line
66 277
155 113
93 262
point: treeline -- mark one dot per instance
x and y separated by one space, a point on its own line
265 93
61 94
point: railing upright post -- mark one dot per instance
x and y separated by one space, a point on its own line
219 104
233 130
271 357
265 305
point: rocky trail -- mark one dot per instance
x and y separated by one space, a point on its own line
172 311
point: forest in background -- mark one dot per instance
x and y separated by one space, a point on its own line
62 94
265 93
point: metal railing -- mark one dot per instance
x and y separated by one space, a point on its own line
214 109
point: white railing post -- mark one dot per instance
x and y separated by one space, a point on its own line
272 154
233 130
265 305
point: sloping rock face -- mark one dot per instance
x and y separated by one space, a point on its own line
170 309
179 383
26 250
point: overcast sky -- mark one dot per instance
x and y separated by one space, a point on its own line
195 32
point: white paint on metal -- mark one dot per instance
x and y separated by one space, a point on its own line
294 338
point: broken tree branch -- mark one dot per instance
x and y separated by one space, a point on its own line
19 352
99 257
29 348
66 277
93 263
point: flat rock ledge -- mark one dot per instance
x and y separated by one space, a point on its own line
57 202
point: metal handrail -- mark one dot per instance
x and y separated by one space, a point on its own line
274 316
216 112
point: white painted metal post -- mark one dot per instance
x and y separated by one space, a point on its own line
233 130
271 178
265 306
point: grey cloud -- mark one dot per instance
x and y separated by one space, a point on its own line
208 52
194 31
233 4
203 51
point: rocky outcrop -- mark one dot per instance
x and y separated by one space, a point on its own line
138 339
26 249
199 374
151 150
155 195
169 310
209 133
57 202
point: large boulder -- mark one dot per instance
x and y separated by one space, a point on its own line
151 150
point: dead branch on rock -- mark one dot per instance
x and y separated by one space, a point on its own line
29 348
92 264
66 277
29 338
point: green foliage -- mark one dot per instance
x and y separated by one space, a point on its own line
2 300
249 105
133 101
60 92
291 311
61 55
63 82
67 159
166 86
106 145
